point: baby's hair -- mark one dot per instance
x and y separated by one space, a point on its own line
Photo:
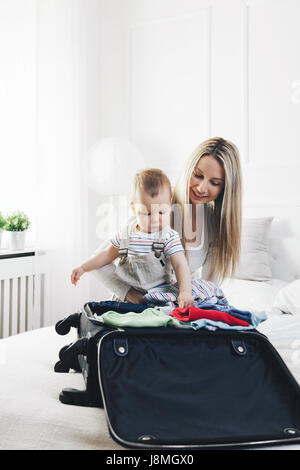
151 180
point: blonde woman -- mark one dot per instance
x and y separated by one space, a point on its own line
209 196
206 213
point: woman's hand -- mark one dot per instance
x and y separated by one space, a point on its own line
185 299
134 296
76 274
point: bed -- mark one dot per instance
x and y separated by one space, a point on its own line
33 418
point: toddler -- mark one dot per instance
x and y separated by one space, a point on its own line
147 247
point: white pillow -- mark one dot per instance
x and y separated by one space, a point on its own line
288 298
254 261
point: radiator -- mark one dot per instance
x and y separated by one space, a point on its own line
22 293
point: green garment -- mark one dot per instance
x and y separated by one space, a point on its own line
150 317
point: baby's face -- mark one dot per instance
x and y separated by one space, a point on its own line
153 213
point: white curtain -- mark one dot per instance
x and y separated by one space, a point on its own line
61 146
17 108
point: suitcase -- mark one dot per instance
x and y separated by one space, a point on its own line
169 388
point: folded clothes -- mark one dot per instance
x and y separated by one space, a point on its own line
215 325
192 313
257 318
242 314
150 317
167 294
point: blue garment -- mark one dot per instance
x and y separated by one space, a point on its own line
241 314
121 307
256 319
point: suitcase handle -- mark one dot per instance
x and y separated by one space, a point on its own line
121 346
63 326
239 346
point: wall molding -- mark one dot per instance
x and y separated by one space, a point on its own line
271 204
245 112
206 11
246 86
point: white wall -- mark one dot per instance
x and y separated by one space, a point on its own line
61 193
108 96
18 107
43 136
204 68
164 74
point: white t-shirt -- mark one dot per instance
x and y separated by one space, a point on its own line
140 243
196 255
196 258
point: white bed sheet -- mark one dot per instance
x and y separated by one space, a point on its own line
32 417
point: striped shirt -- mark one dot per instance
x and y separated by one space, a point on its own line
140 243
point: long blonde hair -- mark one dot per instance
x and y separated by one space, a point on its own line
223 217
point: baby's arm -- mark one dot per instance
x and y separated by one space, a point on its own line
102 258
183 276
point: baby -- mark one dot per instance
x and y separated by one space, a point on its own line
147 247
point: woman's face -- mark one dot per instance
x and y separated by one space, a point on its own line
207 180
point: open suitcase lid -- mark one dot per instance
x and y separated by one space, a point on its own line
167 388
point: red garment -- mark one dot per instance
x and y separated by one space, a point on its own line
192 313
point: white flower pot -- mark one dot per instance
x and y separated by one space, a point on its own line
17 240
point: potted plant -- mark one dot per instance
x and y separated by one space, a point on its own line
17 224
2 226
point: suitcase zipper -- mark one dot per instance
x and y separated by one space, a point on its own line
174 446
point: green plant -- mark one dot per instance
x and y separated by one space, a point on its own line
2 221
17 221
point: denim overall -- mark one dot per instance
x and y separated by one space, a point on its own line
144 272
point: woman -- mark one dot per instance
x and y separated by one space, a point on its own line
211 186
207 212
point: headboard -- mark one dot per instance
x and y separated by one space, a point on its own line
285 258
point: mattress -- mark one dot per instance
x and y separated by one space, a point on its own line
33 418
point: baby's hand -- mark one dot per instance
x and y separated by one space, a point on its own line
185 299
76 275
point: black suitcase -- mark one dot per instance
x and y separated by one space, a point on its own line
170 388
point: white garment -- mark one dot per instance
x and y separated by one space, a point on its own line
196 260
197 257
139 243
145 262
